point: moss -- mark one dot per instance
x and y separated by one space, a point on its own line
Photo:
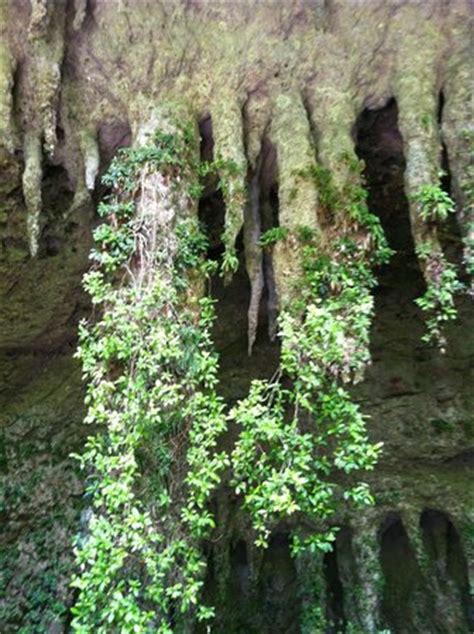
290 132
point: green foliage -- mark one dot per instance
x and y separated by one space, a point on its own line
231 184
273 235
230 259
151 374
348 209
438 301
435 204
426 121
301 428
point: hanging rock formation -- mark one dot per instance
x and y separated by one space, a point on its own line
278 88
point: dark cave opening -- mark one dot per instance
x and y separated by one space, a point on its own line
240 572
230 332
334 591
404 593
447 559
397 325
57 195
380 145
280 605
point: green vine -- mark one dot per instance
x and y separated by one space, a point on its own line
151 374
301 433
438 301
435 205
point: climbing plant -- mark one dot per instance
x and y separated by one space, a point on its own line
438 303
301 433
151 377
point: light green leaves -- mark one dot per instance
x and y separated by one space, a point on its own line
434 203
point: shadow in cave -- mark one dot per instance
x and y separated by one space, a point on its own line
449 231
280 606
380 145
237 368
334 592
397 326
448 567
405 597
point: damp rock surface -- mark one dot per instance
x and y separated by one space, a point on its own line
276 87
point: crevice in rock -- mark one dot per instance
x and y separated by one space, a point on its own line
449 231
380 145
279 601
269 206
57 195
111 136
334 592
206 146
404 592
448 564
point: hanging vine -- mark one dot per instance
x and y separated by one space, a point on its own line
300 431
151 374
438 303
151 371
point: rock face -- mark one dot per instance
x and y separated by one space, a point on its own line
275 86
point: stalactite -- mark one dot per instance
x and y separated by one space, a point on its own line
227 125
46 43
80 8
32 177
269 274
417 99
366 547
253 253
42 81
333 110
290 132
7 65
90 151
458 136
411 521
40 17
257 115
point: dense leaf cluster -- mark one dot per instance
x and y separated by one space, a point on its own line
301 431
151 375
438 303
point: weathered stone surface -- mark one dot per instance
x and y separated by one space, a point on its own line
285 83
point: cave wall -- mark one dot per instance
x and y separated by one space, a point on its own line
306 79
